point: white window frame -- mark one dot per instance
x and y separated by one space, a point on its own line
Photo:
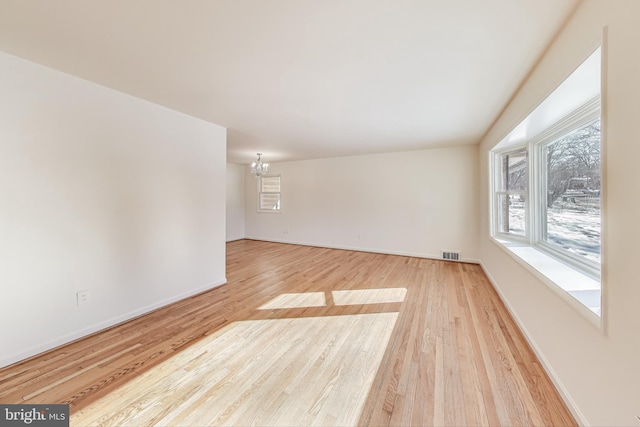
585 114
497 192
278 209
532 248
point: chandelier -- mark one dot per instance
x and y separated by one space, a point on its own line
258 168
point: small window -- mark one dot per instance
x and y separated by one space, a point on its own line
269 194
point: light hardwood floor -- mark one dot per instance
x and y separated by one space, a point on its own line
306 336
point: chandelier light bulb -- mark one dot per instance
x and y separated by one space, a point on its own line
258 168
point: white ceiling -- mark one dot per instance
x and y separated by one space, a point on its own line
301 79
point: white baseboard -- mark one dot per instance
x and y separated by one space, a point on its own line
97 327
362 249
564 394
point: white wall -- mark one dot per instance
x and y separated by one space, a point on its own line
99 191
413 203
235 201
597 372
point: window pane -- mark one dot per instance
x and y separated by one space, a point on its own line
511 218
270 184
573 191
514 172
269 201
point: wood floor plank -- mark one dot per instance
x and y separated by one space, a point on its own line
306 336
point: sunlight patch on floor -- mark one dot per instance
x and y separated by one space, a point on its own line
369 296
276 372
339 298
296 300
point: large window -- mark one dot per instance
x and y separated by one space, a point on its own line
547 186
571 184
562 213
546 196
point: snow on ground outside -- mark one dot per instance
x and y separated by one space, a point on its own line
574 228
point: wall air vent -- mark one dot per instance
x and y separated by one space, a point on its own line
453 256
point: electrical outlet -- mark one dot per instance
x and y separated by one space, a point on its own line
83 297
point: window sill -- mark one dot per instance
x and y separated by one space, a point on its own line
576 288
